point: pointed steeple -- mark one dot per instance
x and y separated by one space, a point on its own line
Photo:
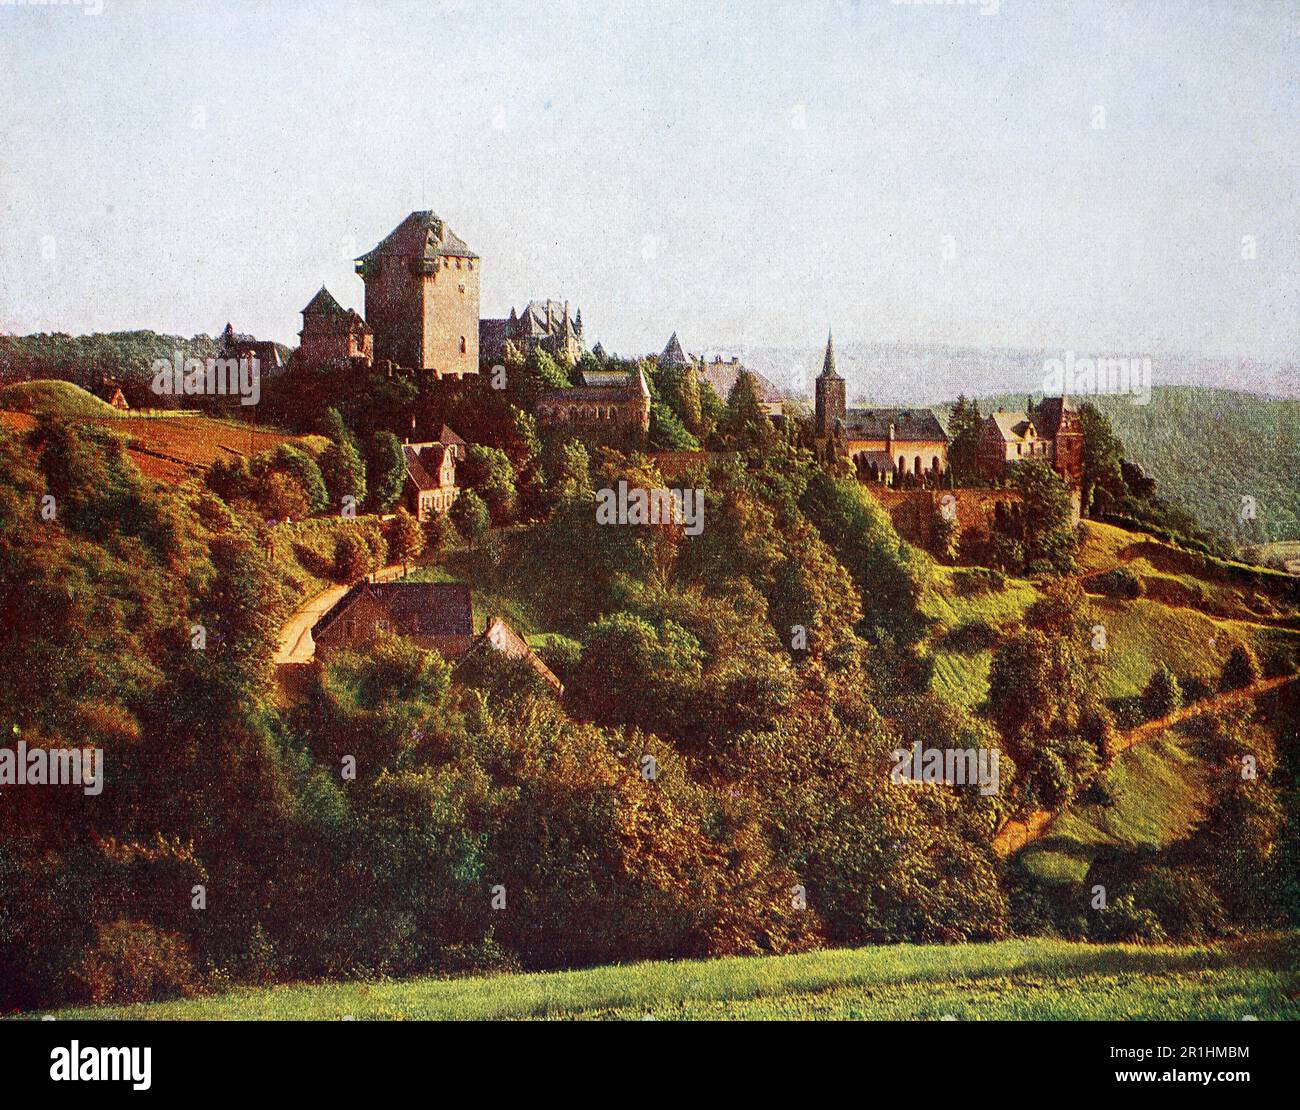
577 323
323 304
828 365
673 354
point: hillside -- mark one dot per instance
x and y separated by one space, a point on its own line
55 398
1042 980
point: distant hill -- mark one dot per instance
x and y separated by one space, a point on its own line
1207 449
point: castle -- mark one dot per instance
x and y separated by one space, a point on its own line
721 375
1050 431
545 324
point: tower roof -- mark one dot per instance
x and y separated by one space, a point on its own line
828 365
420 235
673 354
323 304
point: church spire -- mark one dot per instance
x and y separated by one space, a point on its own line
828 366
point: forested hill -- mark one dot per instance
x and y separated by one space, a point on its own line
87 360
1207 449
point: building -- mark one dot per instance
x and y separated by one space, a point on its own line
236 345
334 336
111 391
545 324
721 375
606 399
430 485
501 638
422 293
436 616
1050 432
894 446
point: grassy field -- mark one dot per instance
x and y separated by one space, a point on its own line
56 398
1009 980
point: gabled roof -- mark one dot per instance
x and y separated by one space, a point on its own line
722 377
500 637
426 608
323 304
673 355
910 425
1012 426
1049 412
612 387
420 235
424 461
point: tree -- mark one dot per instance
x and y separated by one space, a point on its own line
302 469
964 425
385 467
744 423
667 431
1045 527
488 472
1162 694
405 538
1102 454
353 559
470 515
1240 670
344 473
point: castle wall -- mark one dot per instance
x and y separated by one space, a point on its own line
450 317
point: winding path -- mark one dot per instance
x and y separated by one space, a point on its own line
1018 833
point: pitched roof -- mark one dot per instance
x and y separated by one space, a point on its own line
1012 426
323 304
424 461
427 608
673 355
619 387
499 636
722 377
420 235
1049 412
910 425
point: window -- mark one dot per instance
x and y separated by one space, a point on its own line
462 345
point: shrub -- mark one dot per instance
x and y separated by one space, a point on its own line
979 580
352 558
973 636
134 962
1162 695
1240 670
1120 583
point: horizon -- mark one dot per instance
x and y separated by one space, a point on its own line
747 184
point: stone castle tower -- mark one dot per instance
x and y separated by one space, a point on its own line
831 398
422 290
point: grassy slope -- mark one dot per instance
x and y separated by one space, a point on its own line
1022 979
1158 791
54 397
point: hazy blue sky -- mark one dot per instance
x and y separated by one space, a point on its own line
746 173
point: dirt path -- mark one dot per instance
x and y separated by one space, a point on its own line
1020 832
296 644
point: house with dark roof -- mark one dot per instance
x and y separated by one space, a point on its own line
722 374
436 616
1049 431
545 324
236 345
430 485
895 446
422 294
333 336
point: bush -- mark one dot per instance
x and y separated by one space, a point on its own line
1240 670
353 559
979 580
134 962
1162 695
973 636
1119 583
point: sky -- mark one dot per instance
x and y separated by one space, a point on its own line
1112 177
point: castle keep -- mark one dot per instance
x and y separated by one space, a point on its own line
422 289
